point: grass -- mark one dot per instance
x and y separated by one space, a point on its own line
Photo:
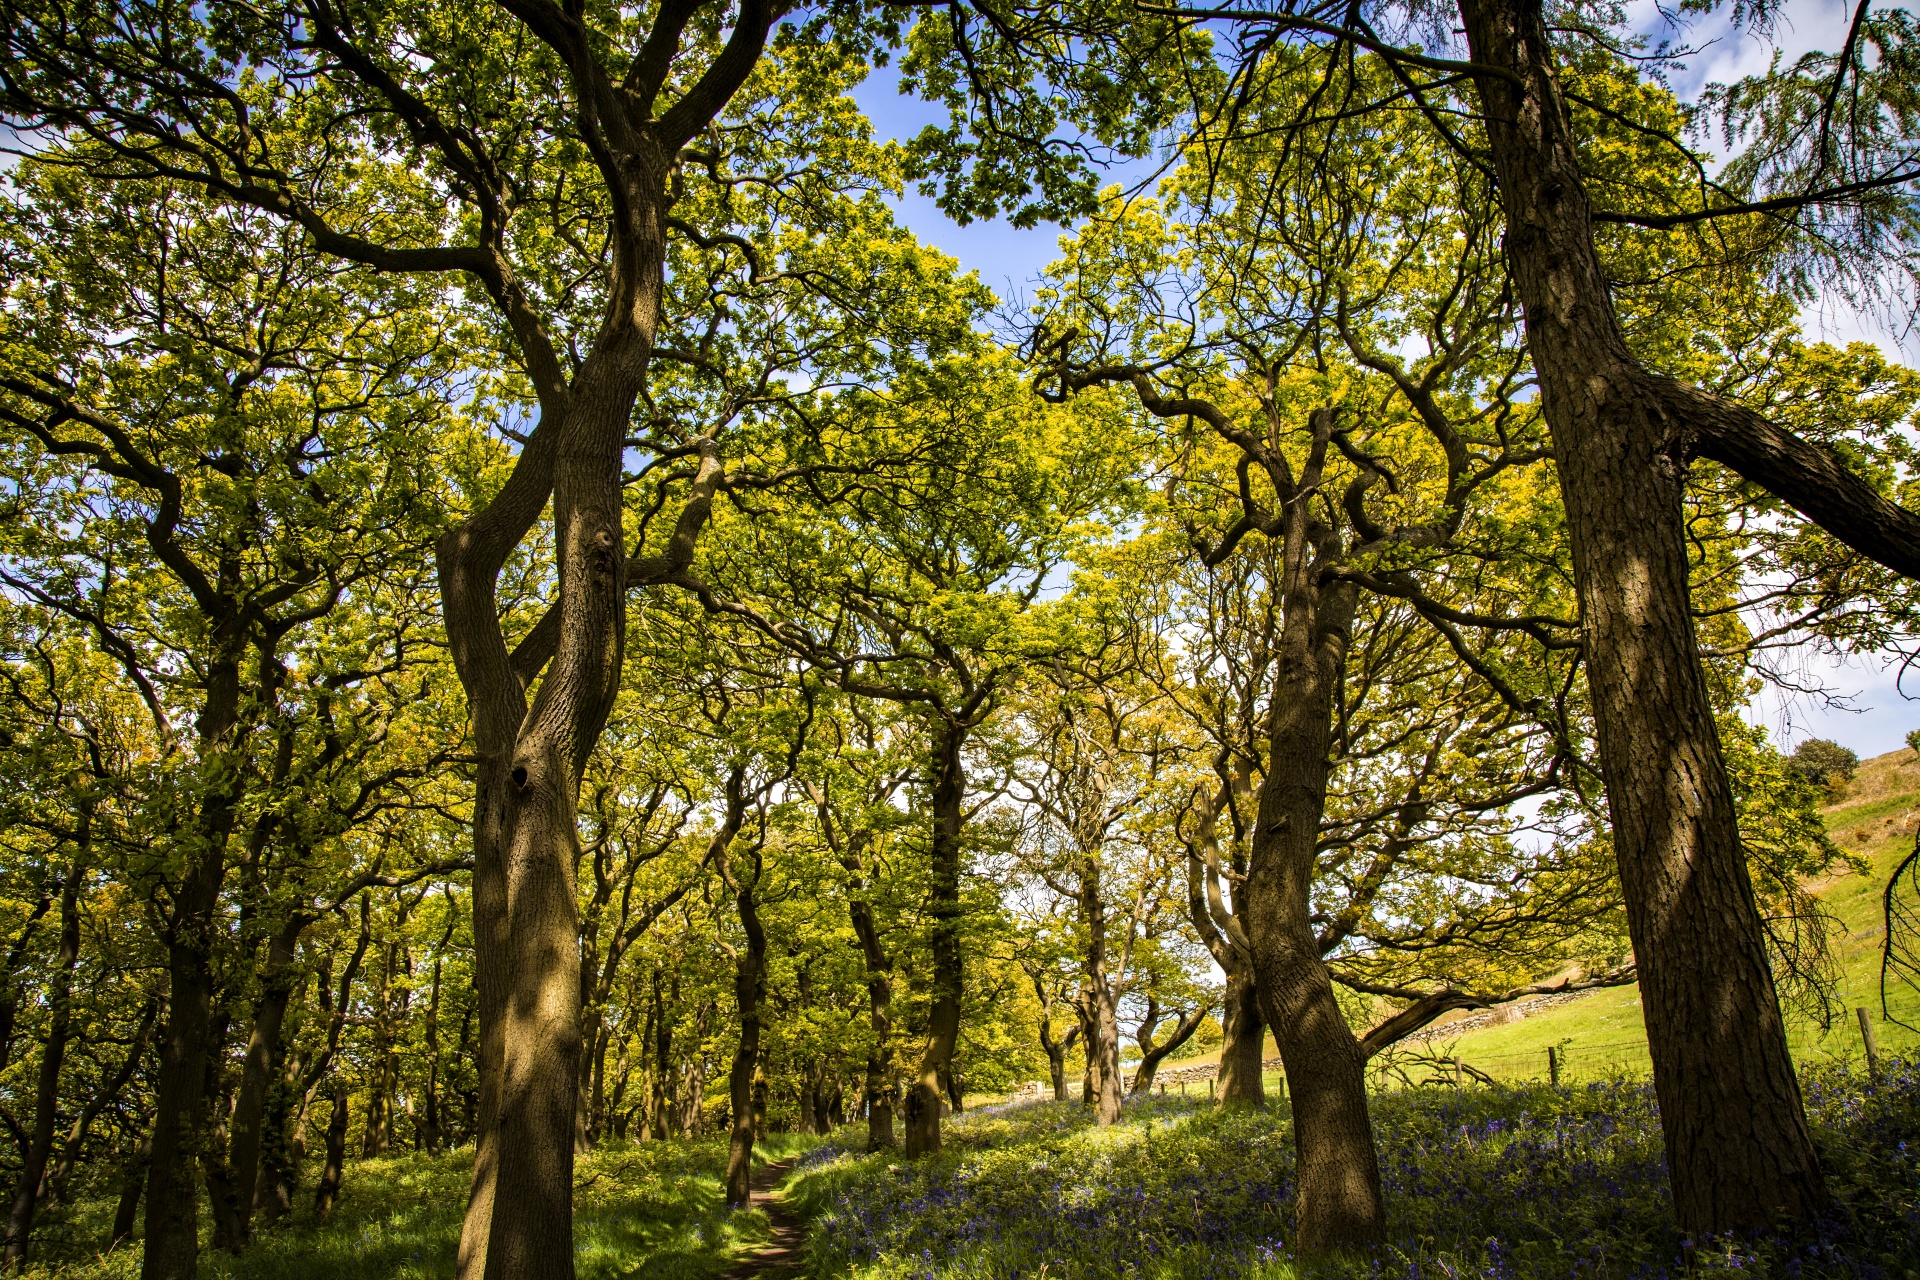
1602 1034
654 1209
1510 1182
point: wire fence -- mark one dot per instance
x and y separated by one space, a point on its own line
1568 1062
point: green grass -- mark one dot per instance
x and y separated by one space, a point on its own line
1510 1182
1602 1034
653 1209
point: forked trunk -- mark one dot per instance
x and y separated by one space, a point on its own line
1243 1043
943 1013
1738 1150
1243 1027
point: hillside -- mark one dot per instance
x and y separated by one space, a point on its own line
1603 1032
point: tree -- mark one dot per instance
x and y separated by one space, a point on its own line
923 594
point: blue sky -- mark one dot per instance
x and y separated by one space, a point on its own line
1867 711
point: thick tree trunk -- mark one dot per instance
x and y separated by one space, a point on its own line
1243 1044
1339 1203
539 1080
949 976
1103 1087
172 1247
53 1053
493 804
330 1174
1738 1149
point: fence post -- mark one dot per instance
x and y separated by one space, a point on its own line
1553 1064
1873 1045
1209 1088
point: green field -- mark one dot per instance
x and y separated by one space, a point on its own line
1602 1034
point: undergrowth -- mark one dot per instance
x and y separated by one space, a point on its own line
654 1209
1513 1182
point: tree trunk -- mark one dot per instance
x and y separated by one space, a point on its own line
1152 1055
257 1072
172 1249
749 990
133 1181
46 1105
493 804
879 1085
1056 1050
1243 1028
660 1088
1102 1022
1243 1045
949 976
430 1129
329 1188
1339 1203
1738 1149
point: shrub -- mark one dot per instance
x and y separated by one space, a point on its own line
1824 764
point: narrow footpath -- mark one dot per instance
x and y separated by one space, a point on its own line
781 1255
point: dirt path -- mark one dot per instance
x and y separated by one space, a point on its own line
781 1255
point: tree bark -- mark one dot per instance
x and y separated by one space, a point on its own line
1102 1022
1243 1044
879 1086
949 976
132 1183
1738 1149
749 990
1243 1029
1339 1203
46 1105
329 1188
257 1072
1056 1050
180 1098
1152 1055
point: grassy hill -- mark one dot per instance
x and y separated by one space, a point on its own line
1603 1033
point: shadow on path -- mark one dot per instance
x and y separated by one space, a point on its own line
780 1255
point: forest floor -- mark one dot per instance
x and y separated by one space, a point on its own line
653 1209
784 1250
1513 1181
1498 1182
